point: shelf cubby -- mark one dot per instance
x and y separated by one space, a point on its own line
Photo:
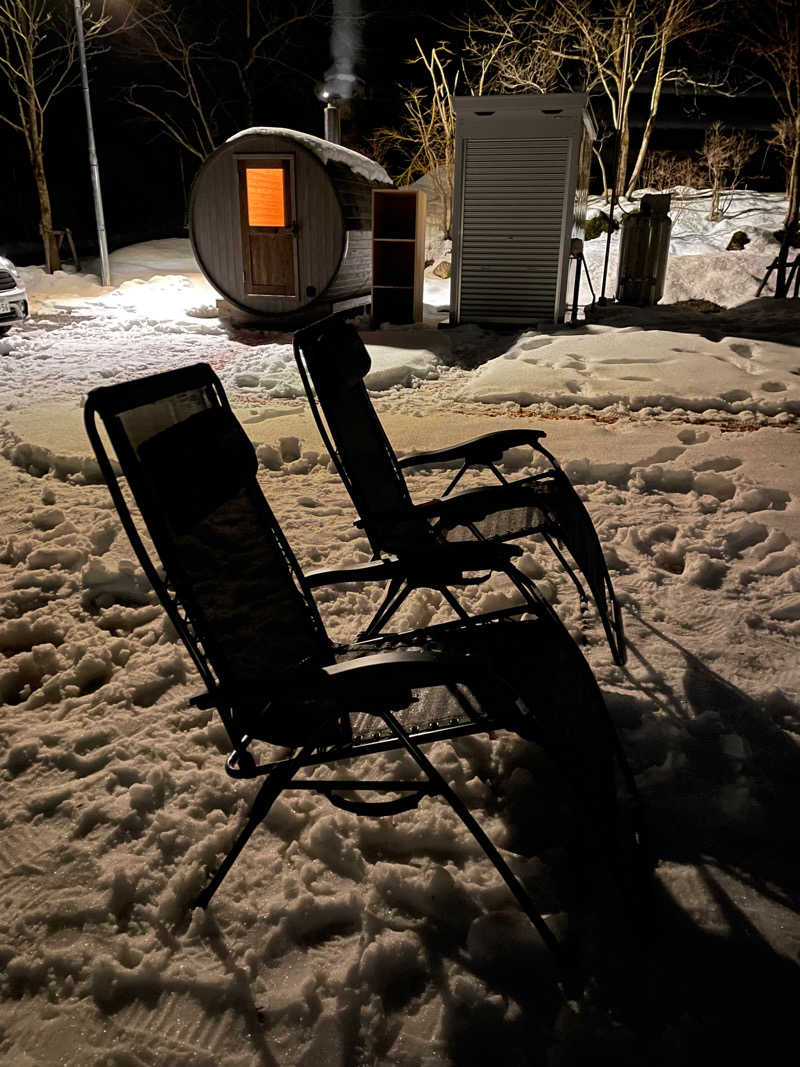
398 255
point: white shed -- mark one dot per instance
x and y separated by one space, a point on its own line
521 184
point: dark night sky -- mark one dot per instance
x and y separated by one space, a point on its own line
143 187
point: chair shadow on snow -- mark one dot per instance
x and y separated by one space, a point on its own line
733 754
718 980
522 1011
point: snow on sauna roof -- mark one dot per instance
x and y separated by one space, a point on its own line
326 151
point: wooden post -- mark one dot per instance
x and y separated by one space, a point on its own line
52 258
782 282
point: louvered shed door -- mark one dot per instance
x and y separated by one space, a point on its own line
513 210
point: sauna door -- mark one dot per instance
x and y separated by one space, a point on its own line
269 233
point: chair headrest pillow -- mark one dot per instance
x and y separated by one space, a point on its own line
339 356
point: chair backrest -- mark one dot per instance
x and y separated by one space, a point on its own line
333 362
232 585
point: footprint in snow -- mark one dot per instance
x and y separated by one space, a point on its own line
761 499
773 387
573 362
20 635
692 437
789 612
663 455
625 362
20 848
719 463
199 1038
742 349
705 572
745 535
656 479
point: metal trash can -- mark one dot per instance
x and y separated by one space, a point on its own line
643 251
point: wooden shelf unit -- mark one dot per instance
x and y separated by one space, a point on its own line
398 255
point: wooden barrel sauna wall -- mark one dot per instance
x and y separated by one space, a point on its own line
280 223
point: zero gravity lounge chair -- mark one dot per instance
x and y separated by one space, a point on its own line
333 362
290 699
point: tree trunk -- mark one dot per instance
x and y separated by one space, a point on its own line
31 125
52 257
603 177
793 184
655 98
716 189
622 154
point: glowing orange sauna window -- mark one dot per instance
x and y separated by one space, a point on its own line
266 196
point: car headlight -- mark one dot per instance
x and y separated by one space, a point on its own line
9 266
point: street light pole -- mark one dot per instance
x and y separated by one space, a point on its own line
94 169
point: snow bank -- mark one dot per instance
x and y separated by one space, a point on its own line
633 368
699 265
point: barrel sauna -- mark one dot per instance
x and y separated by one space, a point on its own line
280 224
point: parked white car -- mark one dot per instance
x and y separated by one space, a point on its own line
13 298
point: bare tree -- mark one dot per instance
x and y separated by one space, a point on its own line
425 140
786 139
604 134
520 47
38 48
666 170
180 102
606 46
772 33
724 155
208 65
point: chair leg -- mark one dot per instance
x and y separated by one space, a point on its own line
620 650
456 480
505 872
526 587
454 604
396 593
265 798
563 561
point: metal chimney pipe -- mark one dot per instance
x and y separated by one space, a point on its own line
332 128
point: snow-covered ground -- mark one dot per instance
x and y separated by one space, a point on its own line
339 940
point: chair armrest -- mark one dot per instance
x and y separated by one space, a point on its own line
484 449
471 505
405 670
372 571
437 562
383 672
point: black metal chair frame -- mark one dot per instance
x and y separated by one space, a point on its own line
383 680
465 509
